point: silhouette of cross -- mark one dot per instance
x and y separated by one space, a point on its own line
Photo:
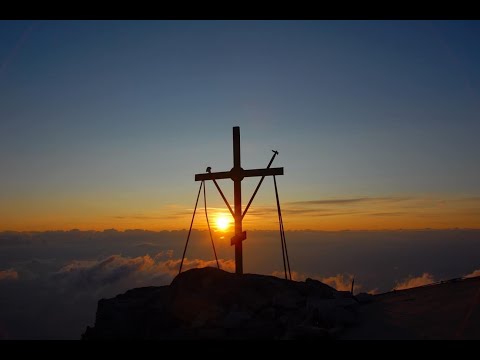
237 174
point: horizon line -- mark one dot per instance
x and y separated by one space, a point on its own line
227 232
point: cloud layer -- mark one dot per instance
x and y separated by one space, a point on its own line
340 282
474 273
125 272
8 274
51 281
412 282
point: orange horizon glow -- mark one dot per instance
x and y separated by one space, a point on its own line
360 223
123 229
379 213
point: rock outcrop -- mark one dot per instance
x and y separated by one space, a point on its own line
213 304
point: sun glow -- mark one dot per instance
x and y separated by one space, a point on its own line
222 222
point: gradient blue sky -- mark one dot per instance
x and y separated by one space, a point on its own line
104 123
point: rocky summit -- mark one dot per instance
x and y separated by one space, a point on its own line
209 303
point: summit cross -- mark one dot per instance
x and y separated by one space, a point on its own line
237 174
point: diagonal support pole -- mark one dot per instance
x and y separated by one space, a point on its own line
208 223
221 193
190 230
275 153
282 234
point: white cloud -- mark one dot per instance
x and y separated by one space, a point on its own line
125 272
412 282
9 274
340 282
475 273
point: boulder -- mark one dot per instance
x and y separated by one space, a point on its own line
209 303
364 298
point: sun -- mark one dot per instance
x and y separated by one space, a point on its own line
222 223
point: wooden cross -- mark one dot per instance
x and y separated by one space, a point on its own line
237 174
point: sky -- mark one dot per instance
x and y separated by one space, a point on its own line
103 124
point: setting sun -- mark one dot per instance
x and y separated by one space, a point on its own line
222 222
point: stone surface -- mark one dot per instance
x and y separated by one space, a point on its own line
209 303
364 298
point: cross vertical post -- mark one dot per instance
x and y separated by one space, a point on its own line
237 199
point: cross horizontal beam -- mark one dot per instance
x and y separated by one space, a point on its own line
243 173
211 176
263 172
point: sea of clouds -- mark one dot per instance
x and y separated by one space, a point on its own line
50 282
